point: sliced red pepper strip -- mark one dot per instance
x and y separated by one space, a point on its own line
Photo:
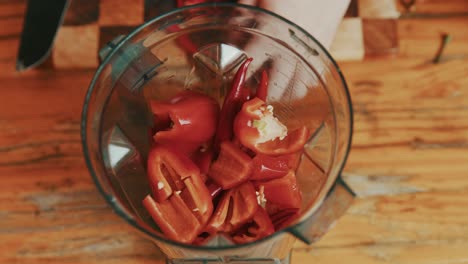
250 120
260 227
198 198
232 104
171 173
194 117
282 193
236 207
174 218
166 171
231 168
262 90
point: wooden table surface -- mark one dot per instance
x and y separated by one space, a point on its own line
409 160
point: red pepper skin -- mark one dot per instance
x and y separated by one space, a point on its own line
174 218
235 208
232 104
293 142
167 169
194 117
267 167
262 90
284 218
260 227
213 188
282 193
181 3
160 123
171 173
203 160
248 135
232 167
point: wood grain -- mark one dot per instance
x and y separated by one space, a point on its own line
408 164
383 9
437 7
380 37
121 12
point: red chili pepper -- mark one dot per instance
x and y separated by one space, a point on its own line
231 168
170 174
232 104
194 117
260 227
262 90
174 218
236 207
282 193
254 119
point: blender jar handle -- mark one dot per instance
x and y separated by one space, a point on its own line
333 207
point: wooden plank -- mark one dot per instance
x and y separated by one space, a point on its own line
12 8
11 26
76 47
408 163
405 253
436 7
121 12
382 9
380 37
422 37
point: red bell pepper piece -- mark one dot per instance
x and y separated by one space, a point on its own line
181 3
282 193
174 218
232 167
267 167
262 90
260 227
171 173
232 104
235 208
284 218
213 188
194 117
203 158
257 129
167 170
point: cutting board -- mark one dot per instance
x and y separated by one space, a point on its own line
367 30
